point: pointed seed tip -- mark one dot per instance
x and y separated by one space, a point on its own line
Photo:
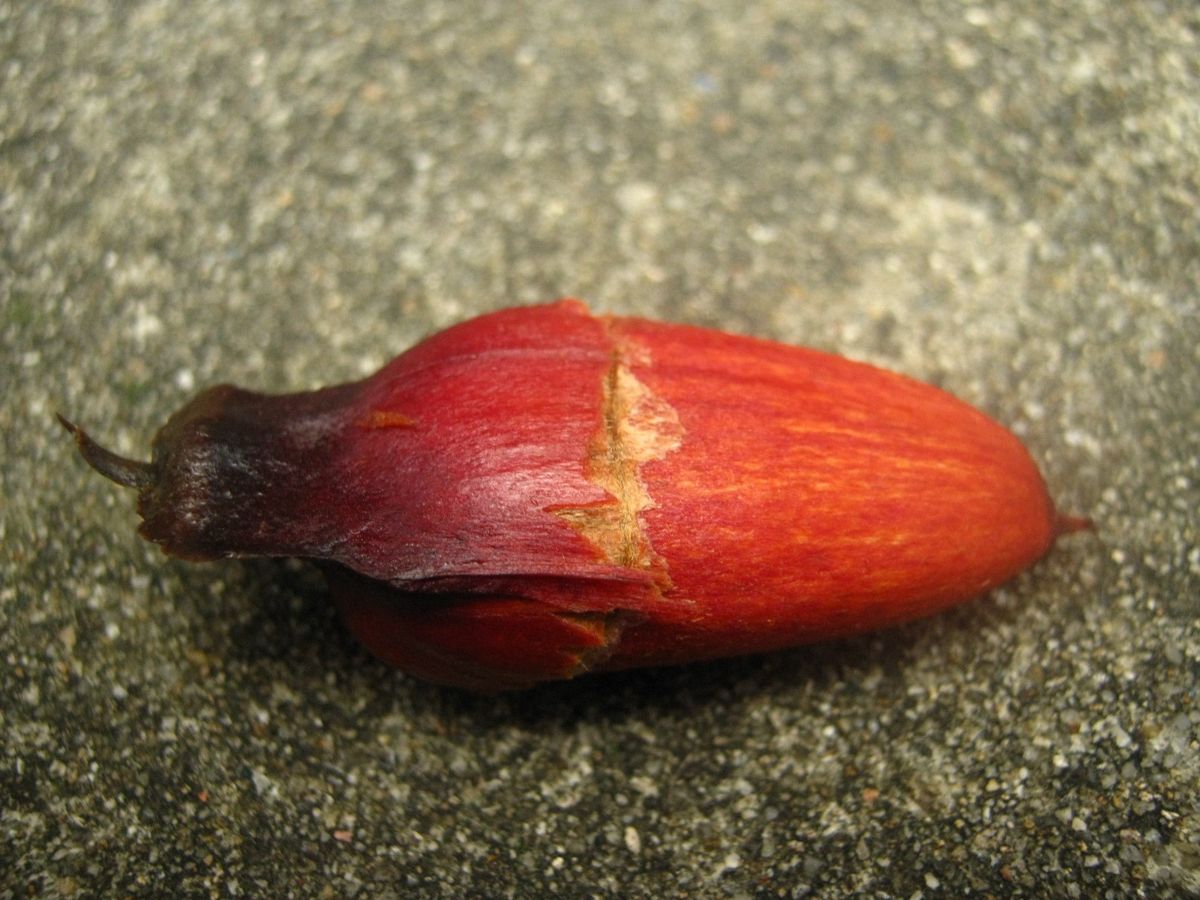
125 472
67 424
1072 524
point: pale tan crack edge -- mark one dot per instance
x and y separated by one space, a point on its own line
638 427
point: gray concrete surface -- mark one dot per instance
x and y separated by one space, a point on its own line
1001 198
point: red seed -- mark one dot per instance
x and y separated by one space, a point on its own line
541 492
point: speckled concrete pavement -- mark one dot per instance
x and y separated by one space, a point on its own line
1001 198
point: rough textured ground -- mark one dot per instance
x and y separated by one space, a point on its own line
1001 198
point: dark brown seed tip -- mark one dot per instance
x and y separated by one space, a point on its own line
126 472
1071 524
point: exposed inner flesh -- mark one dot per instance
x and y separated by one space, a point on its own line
637 427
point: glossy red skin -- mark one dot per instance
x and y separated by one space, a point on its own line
818 497
789 496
